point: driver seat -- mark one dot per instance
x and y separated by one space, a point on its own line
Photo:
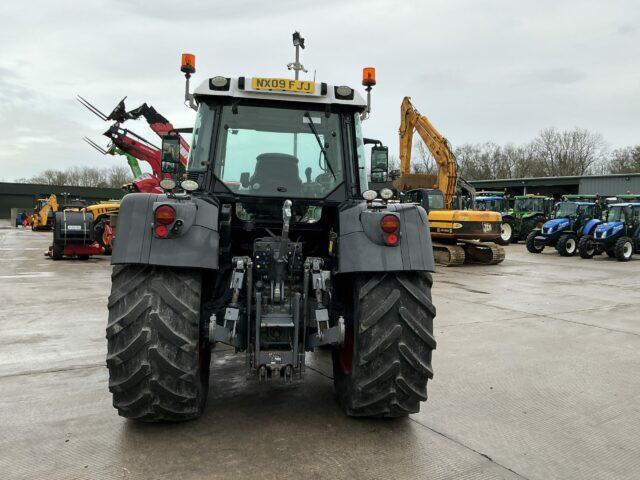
275 170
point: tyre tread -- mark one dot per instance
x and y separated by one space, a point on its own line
152 343
392 359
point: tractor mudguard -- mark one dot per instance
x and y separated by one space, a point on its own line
590 226
195 244
362 247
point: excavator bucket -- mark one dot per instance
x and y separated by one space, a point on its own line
411 181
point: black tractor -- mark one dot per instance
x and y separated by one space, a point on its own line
272 244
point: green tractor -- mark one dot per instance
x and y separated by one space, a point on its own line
527 213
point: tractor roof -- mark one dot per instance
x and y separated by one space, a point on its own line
626 204
283 89
578 203
519 197
489 198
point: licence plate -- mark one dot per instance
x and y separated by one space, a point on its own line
74 227
486 227
283 85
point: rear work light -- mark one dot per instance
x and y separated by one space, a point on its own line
164 215
390 225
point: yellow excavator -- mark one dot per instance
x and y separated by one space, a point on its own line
459 236
44 212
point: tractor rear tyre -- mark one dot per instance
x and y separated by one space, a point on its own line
610 253
383 366
586 247
623 249
531 243
157 354
506 234
567 245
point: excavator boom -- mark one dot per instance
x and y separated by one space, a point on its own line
411 120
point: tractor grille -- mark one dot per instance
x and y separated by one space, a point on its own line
598 235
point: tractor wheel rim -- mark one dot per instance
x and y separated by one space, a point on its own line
571 245
626 250
505 231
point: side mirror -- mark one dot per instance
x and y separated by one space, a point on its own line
170 154
379 163
245 179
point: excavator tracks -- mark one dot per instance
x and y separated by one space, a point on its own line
485 253
448 255
467 251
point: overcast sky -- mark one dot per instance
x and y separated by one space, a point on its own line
481 70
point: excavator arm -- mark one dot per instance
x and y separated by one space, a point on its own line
411 120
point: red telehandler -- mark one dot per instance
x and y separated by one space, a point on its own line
136 145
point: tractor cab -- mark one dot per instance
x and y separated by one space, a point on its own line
259 141
427 198
525 205
492 203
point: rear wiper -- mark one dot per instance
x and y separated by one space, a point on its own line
312 126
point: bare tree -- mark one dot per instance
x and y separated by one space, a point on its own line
423 160
394 163
118 175
569 152
625 160
113 177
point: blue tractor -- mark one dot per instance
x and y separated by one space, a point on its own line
570 221
619 236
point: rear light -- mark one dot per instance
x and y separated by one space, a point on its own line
161 230
390 224
164 215
392 239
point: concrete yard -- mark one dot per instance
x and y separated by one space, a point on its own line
536 377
